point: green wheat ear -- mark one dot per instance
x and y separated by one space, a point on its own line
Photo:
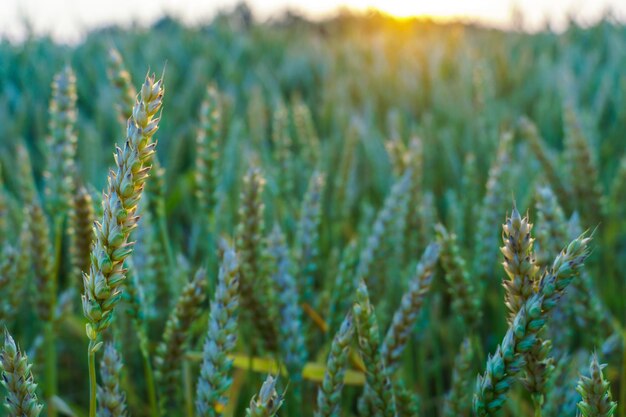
595 391
169 353
458 400
466 301
378 396
80 229
122 85
207 151
125 186
43 262
410 307
504 366
583 170
111 398
307 239
17 378
255 287
267 402
214 379
491 208
329 394
61 144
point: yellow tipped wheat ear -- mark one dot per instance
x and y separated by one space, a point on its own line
119 204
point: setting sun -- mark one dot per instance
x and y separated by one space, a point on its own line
441 8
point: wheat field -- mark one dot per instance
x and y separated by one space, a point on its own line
358 216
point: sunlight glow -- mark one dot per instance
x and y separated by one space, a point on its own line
439 8
68 19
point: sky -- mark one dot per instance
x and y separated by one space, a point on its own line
67 20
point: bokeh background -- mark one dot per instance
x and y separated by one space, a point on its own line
67 20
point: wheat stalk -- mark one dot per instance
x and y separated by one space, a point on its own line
485 241
537 145
583 171
386 216
282 146
343 287
80 223
519 262
505 364
378 391
457 402
119 206
466 301
122 85
552 229
125 186
207 151
214 379
405 317
26 182
43 263
169 353
305 132
61 143
290 313
329 394
15 272
254 285
8 258
307 237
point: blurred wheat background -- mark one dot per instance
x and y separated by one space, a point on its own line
304 169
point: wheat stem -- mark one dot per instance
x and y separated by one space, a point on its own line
91 361
149 376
